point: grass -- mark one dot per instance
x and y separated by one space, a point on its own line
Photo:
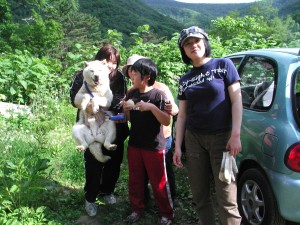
116 214
42 175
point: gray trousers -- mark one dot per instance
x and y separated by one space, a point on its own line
204 156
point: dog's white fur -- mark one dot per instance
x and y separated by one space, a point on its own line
93 128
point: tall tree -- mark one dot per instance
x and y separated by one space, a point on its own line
27 29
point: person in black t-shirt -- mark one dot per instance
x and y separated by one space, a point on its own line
146 145
171 108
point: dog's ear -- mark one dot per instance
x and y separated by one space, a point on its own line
85 64
104 62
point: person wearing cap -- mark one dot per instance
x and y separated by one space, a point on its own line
209 118
170 107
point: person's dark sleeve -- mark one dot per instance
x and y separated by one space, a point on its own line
119 89
75 86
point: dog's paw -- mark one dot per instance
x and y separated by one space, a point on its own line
80 148
100 102
112 147
95 110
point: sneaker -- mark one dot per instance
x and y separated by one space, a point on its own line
133 217
91 208
110 199
164 221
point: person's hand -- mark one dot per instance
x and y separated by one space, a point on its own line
144 106
168 107
126 107
177 158
234 145
121 121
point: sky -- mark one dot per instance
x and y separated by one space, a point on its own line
215 1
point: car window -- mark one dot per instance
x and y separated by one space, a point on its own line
258 82
236 61
296 94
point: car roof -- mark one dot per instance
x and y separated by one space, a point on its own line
292 51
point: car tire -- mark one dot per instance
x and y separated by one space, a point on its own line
257 204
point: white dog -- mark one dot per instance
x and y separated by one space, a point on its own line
93 128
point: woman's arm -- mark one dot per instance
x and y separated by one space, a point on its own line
119 89
75 86
234 142
126 109
171 108
180 129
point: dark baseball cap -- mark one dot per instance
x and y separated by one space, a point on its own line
193 31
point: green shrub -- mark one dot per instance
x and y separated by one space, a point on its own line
23 76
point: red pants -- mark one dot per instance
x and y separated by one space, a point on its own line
140 162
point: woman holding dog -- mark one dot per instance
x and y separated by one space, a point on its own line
210 116
101 179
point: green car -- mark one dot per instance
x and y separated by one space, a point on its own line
269 164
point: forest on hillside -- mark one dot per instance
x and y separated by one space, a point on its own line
56 29
126 15
43 43
55 26
202 14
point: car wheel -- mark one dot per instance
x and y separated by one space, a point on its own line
256 200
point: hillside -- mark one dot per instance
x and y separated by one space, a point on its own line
201 14
86 21
191 14
126 15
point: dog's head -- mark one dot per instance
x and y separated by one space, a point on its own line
96 73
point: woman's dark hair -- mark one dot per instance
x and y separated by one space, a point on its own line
146 67
111 54
187 60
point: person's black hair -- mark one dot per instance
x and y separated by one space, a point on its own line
187 60
146 67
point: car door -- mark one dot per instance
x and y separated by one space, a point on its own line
258 81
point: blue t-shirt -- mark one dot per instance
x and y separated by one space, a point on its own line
208 102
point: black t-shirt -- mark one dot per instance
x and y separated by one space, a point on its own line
146 131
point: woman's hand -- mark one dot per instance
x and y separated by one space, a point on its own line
234 145
177 158
168 107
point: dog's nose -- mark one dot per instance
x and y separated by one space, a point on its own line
96 78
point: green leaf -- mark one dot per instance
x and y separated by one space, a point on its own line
23 83
12 91
14 188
